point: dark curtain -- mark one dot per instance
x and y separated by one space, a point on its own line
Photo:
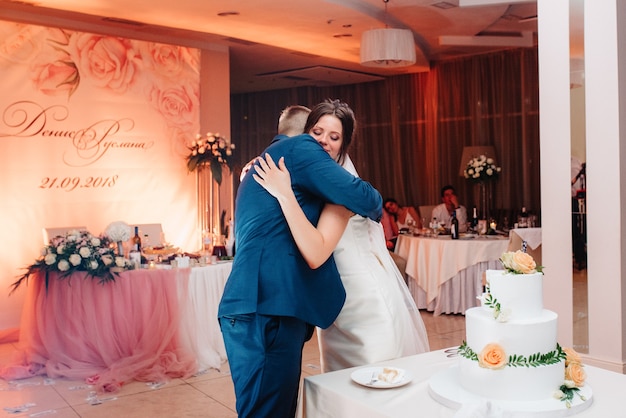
411 129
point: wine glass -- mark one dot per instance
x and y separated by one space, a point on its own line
411 224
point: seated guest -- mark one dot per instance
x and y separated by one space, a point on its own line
450 205
405 216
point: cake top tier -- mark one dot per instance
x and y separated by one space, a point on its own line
514 296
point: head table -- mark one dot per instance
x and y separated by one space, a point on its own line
445 275
147 325
335 394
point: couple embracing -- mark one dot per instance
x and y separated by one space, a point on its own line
290 217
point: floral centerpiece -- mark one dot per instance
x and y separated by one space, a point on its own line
213 149
76 251
481 168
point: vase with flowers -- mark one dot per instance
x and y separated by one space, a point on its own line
482 171
209 155
118 232
210 149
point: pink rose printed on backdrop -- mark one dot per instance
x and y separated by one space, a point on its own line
60 61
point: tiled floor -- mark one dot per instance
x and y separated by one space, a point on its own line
208 395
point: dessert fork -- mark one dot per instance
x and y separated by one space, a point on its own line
373 379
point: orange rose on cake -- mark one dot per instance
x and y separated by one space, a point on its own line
492 357
571 356
518 262
574 367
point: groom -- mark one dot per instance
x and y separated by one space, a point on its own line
272 299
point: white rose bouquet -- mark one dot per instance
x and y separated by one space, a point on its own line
76 251
118 231
481 168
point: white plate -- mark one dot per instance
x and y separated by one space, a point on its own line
364 377
467 236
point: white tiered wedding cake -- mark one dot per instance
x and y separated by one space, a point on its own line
511 351
511 354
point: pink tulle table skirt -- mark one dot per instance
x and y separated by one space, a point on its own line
147 325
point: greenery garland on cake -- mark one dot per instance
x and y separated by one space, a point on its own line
494 357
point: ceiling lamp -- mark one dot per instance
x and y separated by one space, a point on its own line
387 47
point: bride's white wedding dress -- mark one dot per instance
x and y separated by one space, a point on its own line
379 320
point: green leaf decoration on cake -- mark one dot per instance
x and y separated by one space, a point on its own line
492 303
468 353
516 360
566 394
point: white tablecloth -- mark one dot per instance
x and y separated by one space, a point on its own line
532 236
445 275
199 330
333 395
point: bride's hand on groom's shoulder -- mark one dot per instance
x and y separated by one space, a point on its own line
275 179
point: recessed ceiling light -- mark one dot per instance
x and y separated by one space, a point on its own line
342 35
224 14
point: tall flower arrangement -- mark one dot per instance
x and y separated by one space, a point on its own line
211 148
76 251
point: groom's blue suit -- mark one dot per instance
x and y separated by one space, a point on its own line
271 280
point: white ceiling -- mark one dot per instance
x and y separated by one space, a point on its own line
287 43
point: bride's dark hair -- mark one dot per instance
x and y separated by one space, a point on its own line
345 115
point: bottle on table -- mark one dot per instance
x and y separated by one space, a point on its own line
454 226
135 250
434 225
474 219
136 241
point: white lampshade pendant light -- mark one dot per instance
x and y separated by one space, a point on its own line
387 47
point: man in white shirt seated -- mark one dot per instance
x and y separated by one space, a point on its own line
450 205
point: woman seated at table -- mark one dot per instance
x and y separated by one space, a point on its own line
379 320
405 216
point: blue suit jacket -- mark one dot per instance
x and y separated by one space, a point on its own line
269 275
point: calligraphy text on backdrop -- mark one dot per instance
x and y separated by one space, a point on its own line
88 144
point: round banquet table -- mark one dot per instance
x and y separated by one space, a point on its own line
446 275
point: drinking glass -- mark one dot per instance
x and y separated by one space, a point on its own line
411 224
434 224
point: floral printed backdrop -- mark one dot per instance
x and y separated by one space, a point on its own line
93 129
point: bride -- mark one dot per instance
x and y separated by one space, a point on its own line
379 320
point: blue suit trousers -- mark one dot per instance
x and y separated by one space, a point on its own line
265 359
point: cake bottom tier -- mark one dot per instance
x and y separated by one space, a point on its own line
444 387
511 383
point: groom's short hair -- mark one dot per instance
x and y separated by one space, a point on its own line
292 120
